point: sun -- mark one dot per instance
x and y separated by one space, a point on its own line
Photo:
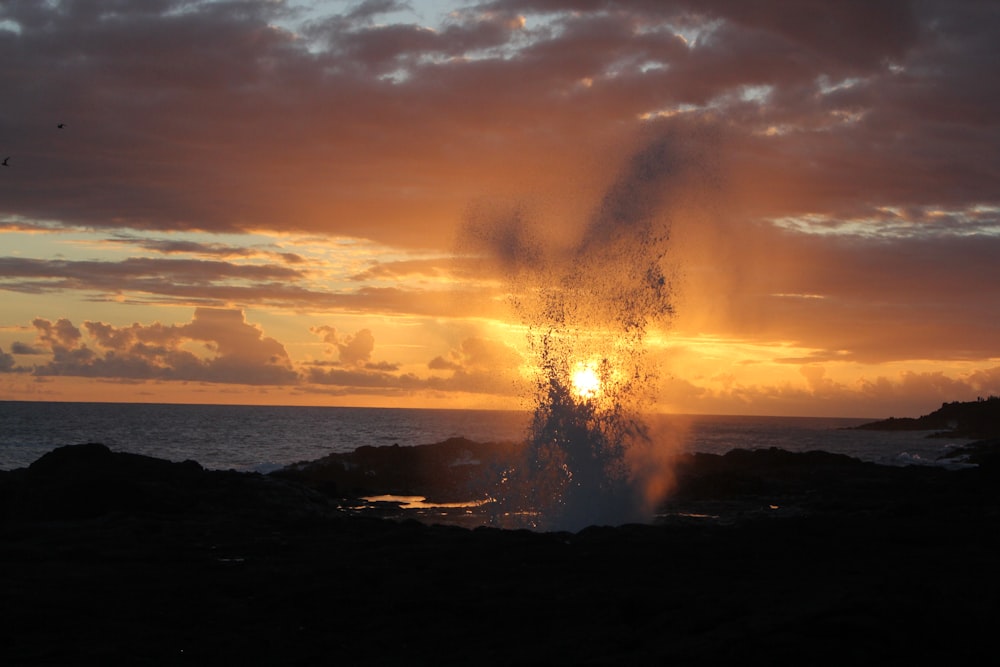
585 381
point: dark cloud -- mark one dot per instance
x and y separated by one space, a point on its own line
138 273
61 333
218 284
18 347
382 366
7 363
209 115
174 247
368 9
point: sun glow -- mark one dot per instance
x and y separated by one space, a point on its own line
585 381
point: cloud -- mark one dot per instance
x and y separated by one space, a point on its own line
327 333
232 351
364 381
477 354
456 269
250 127
353 350
137 273
358 348
833 108
479 365
354 369
7 362
873 393
380 49
830 176
61 333
17 347
220 284
847 297
368 9
172 247
220 346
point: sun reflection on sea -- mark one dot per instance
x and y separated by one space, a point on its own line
420 502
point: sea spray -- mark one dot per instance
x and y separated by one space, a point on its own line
588 457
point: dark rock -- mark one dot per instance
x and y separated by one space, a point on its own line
455 470
982 453
887 565
971 419
89 480
67 460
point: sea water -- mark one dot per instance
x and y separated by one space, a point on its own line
255 438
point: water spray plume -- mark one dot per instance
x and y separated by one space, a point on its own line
587 458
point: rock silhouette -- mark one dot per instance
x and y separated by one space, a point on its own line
760 557
970 419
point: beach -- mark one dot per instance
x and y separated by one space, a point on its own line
768 557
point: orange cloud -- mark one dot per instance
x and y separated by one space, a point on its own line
353 350
836 205
237 352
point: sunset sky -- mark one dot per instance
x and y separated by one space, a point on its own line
284 202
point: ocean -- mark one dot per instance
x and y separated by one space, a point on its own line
262 439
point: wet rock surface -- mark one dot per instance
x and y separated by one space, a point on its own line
457 469
810 559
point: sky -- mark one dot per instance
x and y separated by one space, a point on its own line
285 202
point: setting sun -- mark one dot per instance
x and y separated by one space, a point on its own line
585 381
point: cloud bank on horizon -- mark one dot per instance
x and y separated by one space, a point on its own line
268 196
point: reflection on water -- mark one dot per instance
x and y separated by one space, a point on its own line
467 514
420 502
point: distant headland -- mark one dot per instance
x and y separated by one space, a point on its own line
969 419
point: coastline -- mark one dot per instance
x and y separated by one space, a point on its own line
262 440
978 420
108 556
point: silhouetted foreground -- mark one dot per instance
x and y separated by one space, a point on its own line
968 419
760 557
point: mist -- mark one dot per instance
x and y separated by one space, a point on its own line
587 308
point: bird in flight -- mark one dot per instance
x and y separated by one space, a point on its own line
5 161
61 125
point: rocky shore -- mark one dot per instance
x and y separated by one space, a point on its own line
968 419
756 557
